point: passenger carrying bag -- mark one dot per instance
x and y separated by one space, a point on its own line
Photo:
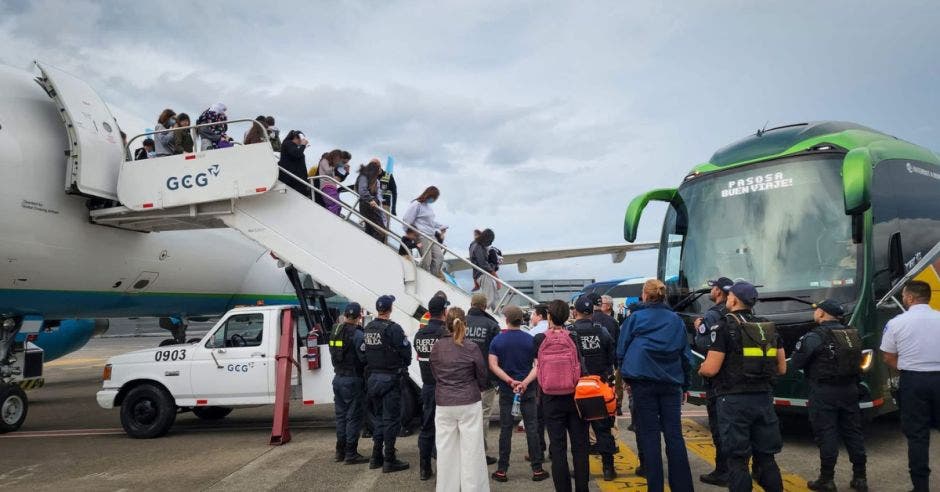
759 347
844 348
595 398
559 366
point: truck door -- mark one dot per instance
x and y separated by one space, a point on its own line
232 366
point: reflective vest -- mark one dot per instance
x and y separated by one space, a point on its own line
750 364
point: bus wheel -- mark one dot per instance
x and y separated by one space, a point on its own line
13 407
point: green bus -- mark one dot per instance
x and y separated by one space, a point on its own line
805 212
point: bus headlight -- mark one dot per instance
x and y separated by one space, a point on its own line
106 375
868 356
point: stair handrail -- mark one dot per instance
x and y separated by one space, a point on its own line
509 288
193 135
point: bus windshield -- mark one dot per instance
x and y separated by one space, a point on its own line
780 225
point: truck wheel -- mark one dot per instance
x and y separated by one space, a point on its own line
211 413
13 407
148 411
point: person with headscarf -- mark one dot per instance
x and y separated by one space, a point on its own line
479 256
370 198
212 136
293 163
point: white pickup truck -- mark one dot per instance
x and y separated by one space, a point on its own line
232 366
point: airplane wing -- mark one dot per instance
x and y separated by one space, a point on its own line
617 252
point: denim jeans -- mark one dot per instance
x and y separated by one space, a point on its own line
507 423
658 408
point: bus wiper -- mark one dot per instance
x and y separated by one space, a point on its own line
689 299
785 298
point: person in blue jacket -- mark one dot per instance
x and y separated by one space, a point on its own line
654 357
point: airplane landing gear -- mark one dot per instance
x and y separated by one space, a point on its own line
13 407
177 327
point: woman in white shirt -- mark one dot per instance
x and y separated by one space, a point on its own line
420 217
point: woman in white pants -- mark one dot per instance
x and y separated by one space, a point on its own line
461 375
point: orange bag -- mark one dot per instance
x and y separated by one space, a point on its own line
595 398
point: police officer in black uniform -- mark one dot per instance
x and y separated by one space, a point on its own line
743 361
598 350
705 331
348 386
387 353
830 356
424 341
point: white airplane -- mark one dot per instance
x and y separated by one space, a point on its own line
58 267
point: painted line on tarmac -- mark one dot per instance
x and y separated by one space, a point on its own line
77 361
625 463
698 440
116 431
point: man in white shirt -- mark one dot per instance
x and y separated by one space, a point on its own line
911 344
538 319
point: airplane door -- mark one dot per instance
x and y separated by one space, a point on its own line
96 149
232 366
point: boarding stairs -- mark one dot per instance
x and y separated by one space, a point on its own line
238 188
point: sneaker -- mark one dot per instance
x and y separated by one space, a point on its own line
539 475
715 478
499 476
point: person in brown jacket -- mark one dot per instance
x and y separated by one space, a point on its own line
461 375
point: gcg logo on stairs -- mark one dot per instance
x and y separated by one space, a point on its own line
200 180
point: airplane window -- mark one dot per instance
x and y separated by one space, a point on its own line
141 284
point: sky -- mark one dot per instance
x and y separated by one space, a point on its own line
540 120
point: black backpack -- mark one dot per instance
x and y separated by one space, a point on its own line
758 347
341 341
842 352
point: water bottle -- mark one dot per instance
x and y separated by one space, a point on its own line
516 406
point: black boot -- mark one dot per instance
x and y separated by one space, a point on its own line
859 482
717 477
609 472
393 464
425 473
340 452
824 482
377 461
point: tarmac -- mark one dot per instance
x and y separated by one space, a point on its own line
70 443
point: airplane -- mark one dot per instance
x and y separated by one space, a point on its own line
58 269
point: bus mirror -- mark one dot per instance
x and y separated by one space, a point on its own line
635 210
856 181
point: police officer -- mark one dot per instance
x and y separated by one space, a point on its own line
387 353
424 341
910 344
743 361
705 331
348 385
830 355
603 311
598 349
482 328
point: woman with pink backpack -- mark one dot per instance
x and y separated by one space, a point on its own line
558 369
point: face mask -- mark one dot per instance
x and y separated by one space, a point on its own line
170 122
431 200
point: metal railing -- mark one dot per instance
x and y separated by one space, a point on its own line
197 141
510 291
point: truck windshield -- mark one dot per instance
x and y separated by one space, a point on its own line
780 225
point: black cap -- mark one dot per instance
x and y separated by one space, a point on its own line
744 291
830 307
384 303
353 310
437 305
723 283
585 304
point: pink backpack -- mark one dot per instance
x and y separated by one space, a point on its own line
559 367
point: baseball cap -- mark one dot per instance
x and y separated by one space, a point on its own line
585 304
744 291
723 283
437 305
353 310
513 314
384 303
831 307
